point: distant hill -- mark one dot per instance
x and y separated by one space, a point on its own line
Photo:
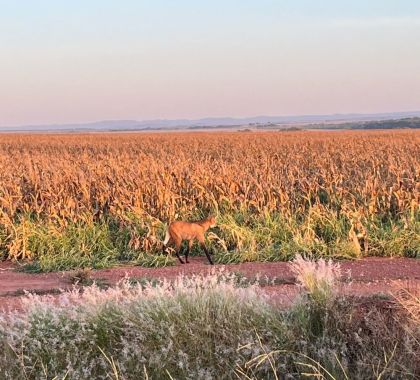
258 122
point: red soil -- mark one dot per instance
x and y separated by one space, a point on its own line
366 276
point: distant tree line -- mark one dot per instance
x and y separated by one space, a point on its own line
412 123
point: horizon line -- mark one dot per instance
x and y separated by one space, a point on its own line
210 118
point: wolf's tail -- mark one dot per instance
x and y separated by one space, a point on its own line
167 237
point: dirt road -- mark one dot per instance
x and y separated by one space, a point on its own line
362 277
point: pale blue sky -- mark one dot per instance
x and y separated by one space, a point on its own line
73 61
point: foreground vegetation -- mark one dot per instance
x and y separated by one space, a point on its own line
96 200
212 327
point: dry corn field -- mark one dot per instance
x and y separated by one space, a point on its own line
72 200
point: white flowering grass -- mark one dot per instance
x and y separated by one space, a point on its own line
318 278
191 327
204 327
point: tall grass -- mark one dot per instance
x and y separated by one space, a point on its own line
203 327
238 238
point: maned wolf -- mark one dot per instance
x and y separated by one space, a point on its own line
179 231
